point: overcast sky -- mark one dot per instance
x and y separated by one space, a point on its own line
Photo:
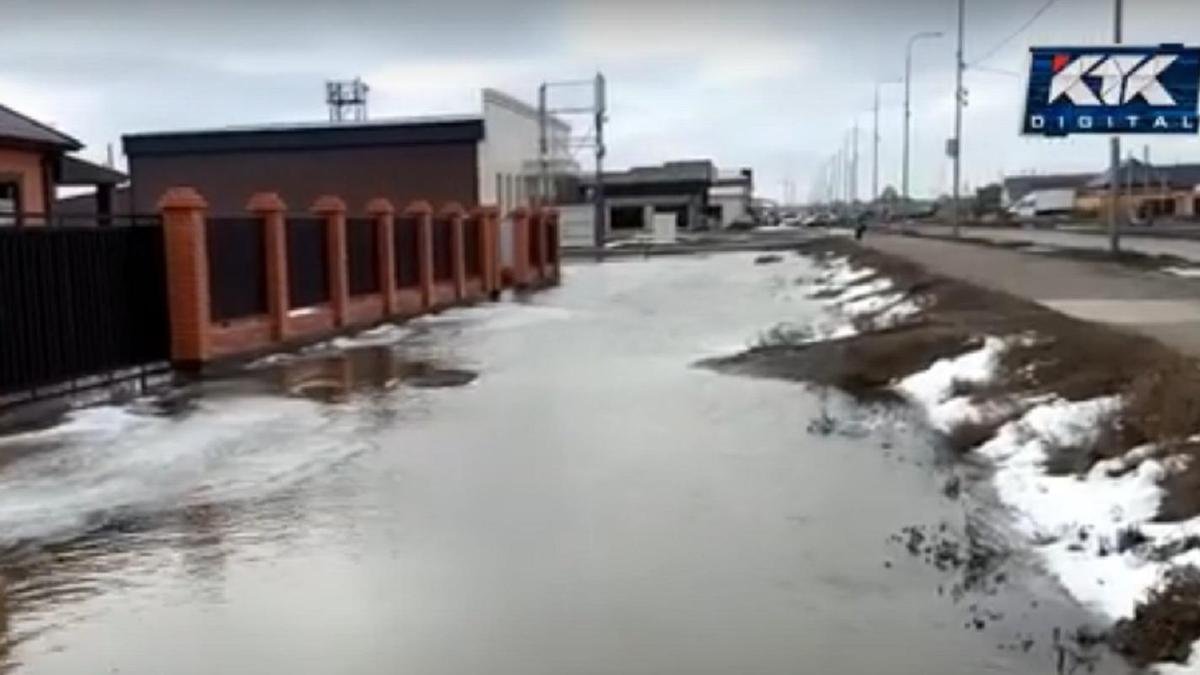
769 84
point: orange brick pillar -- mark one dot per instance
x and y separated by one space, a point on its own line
422 213
452 216
384 215
487 217
333 210
183 210
491 249
270 209
520 235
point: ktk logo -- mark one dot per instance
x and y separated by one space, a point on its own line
1101 80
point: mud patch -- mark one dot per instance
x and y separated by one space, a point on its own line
1164 627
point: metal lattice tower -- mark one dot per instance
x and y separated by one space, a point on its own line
347 100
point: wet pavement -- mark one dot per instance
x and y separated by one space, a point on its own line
541 487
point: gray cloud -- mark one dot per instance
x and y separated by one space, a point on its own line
769 84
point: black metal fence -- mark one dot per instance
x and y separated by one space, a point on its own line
443 251
308 262
362 254
472 229
535 244
408 253
552 241
237 272
80 303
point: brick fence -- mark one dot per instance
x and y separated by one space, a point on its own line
244 285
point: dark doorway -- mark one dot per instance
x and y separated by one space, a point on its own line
627 218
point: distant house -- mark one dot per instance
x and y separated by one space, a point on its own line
34 163
1146 190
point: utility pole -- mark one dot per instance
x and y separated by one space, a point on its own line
908 105
543 146
875 151
1114 184
600 227
854 168
959 95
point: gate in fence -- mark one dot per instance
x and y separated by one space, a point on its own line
81 305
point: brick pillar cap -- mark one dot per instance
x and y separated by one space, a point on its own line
488 211
328 205
380 207
265 201
520 212
182 197
450 210
418 208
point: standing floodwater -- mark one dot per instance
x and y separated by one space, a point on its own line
546 488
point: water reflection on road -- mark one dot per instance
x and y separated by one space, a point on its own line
537 487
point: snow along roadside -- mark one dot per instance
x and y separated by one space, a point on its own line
1078 525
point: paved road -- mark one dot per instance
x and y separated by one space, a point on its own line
592 504
1188 248
1155 304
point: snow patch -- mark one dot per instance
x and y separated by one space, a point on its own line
933 388
1186 272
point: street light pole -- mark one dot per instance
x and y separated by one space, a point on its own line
1114 183
958 117
908 103
875 151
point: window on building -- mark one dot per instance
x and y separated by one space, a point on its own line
10 202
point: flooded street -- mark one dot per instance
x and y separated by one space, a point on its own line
535 488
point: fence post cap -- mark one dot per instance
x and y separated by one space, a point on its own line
328 205
418 208
485 211
182 197
263 202
520 212
380 207
450 210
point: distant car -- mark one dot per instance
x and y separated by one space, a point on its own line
816 220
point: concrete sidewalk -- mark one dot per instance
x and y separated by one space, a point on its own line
1186 247
1162 307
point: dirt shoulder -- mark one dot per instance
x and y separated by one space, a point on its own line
1047 355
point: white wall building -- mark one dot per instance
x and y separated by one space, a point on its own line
509 155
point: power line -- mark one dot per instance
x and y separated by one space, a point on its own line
997 71
1012 36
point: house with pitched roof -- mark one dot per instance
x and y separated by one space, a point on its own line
34 162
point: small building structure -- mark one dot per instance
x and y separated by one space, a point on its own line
700 196
489 157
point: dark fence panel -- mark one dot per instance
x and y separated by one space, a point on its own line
472 229
552 242
535 244
77 302
308 262
237 272
443 251
362 252
81 220
408 253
